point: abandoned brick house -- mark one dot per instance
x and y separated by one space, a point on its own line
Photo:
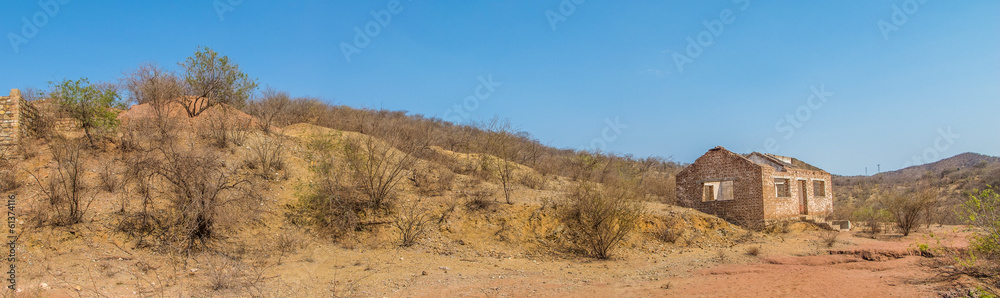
755 187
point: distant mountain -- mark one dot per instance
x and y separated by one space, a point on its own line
952 164
953 177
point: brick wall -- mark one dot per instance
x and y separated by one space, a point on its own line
721 164
784 207
16 118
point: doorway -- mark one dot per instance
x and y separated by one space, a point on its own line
803 201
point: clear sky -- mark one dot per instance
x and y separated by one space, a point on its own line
843 85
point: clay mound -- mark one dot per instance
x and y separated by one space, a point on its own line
689 227
176 110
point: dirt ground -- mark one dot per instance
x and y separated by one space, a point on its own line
795 264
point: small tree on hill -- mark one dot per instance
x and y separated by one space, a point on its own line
501 141
93 106
212 80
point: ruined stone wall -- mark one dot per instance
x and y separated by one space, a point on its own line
720 164
16 118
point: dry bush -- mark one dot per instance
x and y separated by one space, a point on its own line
330 204
601 218
108 176
270 109
266 156
533 181
828 239
500 142
376 169
753 251
906 208
668 235
721 256
200 188
431 180
410 222
477 198
223 129
66 192
9 165
872 218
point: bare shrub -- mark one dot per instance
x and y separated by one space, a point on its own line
9 165
600 218
431 181
65 191
906 208
477 198
533 181
199 187
410 222
334 207
271 108
499 141
721 256
828 239
151 84
266 156
872 218
376 169
668 235
223 129
108 176
753 251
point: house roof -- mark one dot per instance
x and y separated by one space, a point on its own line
788 162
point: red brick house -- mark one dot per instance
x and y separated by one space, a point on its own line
755 187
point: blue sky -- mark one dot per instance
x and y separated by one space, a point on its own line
921 86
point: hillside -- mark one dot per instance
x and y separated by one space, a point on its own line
269 237
952 178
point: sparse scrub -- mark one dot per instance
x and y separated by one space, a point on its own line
431 181
199 187
9 165
477 198
600 219
499 141
108 176
270 109
533 181
872 218
829 238
410 222
753 251
266 156
376 169
906 208
66 193
668 235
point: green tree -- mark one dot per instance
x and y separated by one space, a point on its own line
93 106
983 211
211 80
